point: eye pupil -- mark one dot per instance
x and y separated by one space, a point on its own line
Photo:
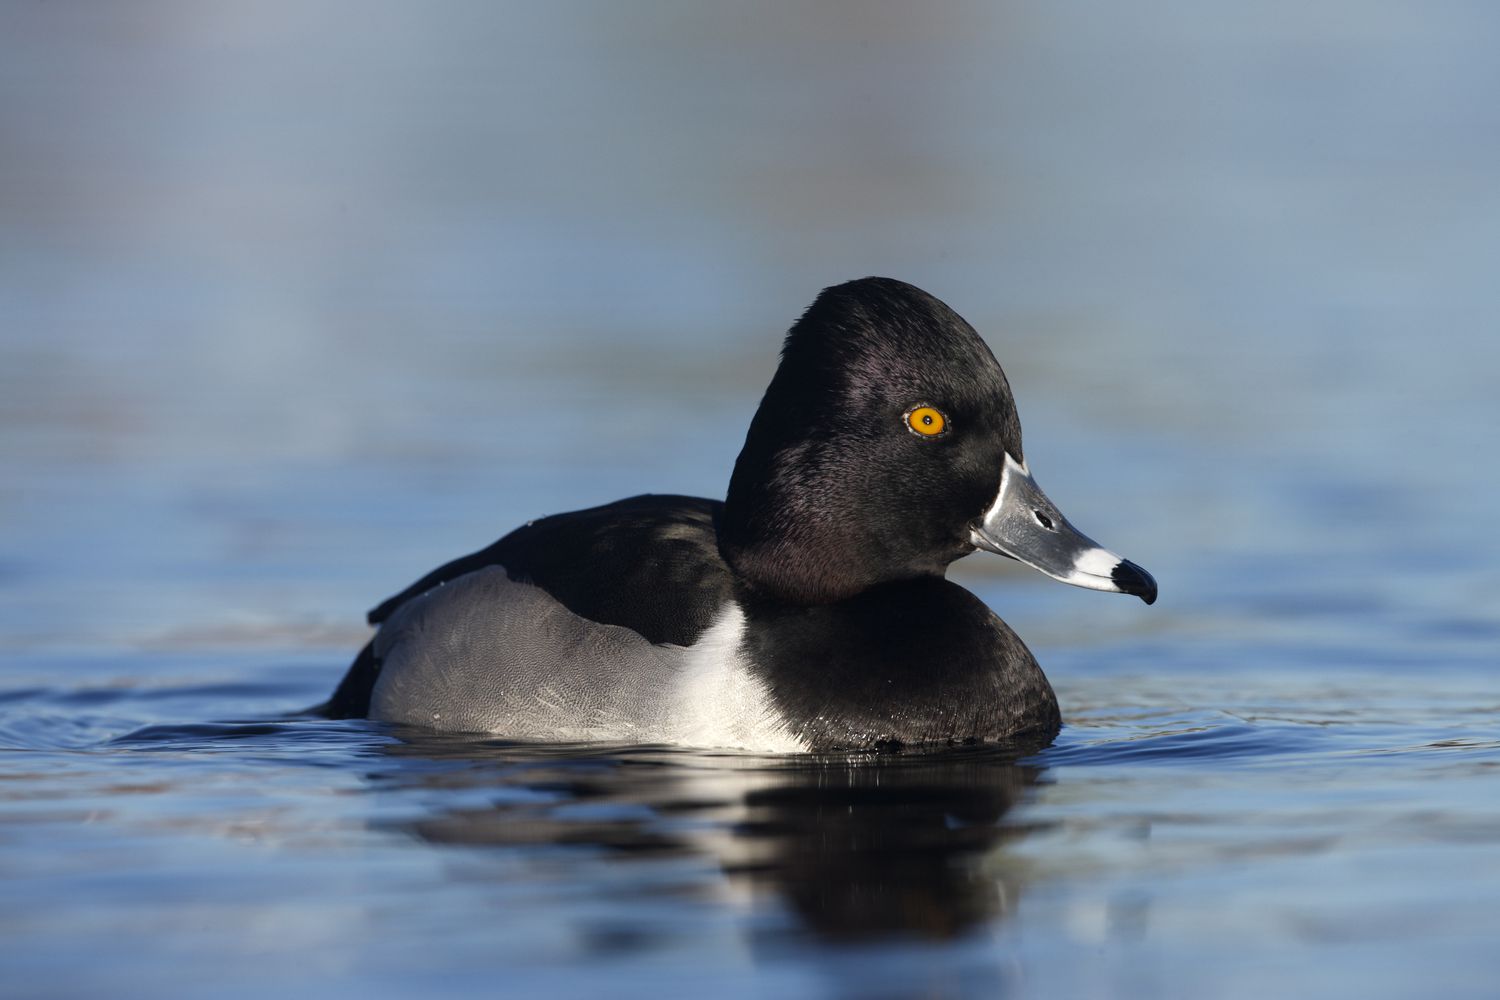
927 419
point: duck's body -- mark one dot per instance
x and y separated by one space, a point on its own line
624 623
808 611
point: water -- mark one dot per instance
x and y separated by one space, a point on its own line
297 302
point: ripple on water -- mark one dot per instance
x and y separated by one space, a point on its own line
1183 738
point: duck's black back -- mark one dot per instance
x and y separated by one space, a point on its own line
649 563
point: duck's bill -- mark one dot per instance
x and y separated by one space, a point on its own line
1023 524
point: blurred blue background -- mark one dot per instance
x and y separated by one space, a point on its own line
298 300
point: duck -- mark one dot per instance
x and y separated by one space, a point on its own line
807 611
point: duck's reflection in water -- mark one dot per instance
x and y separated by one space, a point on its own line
857 847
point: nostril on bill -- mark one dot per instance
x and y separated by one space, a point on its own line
1042 519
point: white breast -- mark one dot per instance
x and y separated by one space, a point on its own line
720 703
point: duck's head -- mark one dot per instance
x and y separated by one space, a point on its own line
887 446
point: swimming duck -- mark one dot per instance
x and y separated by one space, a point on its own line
807 611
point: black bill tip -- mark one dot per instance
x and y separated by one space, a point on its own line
1131 579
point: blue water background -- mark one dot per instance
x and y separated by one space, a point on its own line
299 300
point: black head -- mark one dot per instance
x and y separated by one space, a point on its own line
879 443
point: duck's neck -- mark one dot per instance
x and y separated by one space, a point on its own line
794 564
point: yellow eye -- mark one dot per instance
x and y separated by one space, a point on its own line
926 421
